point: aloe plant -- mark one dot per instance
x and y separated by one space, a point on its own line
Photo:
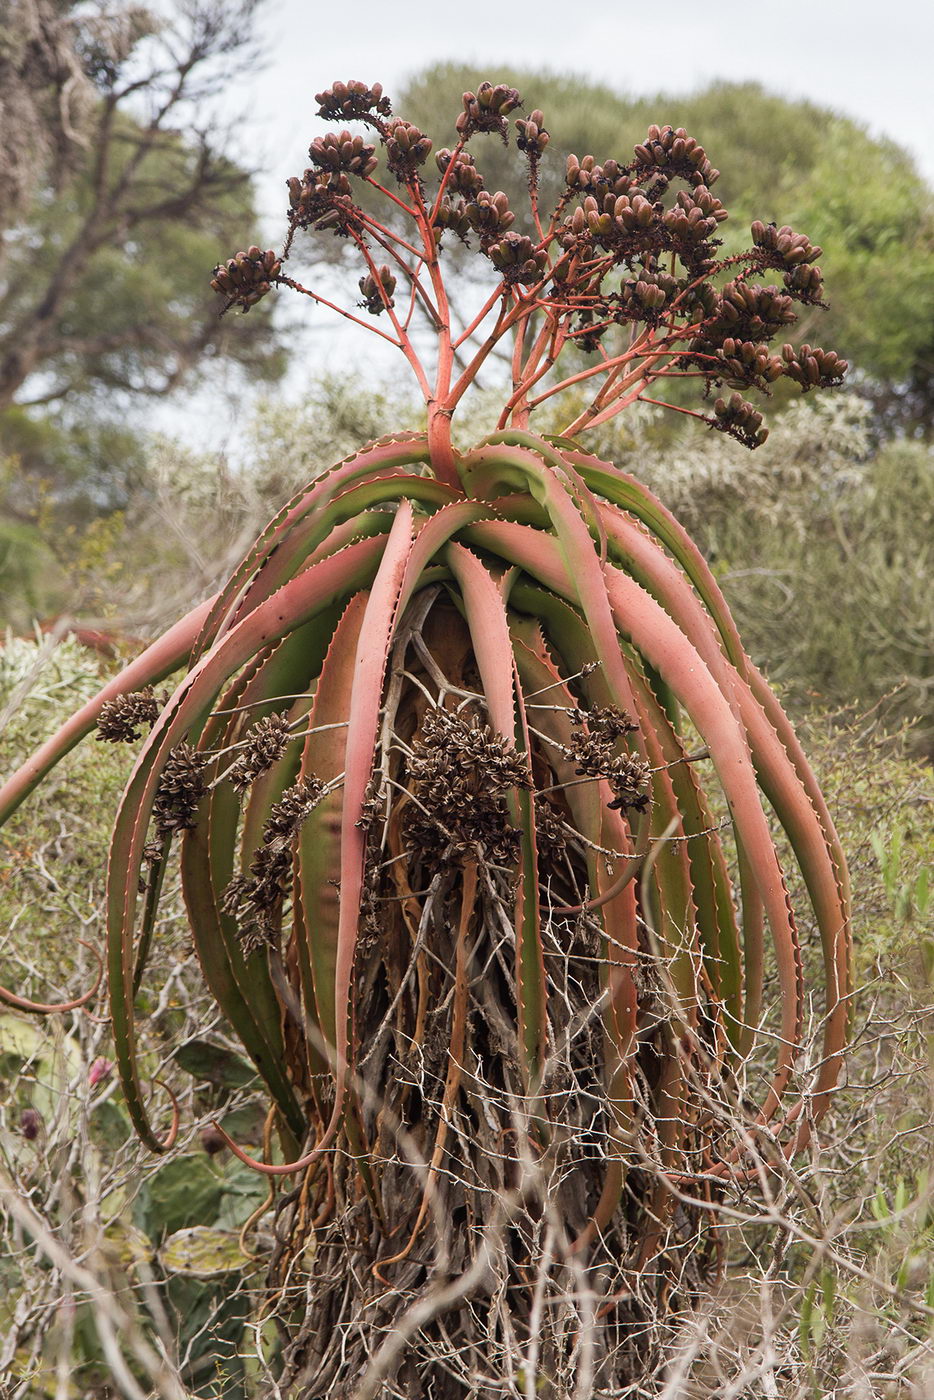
482 809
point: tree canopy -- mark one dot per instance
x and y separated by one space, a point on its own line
116 199
113 229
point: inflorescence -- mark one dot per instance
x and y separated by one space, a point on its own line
622 249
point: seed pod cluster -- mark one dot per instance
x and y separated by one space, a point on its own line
549 830
406 148
595 750
813 368
181 788
120 720
322 199
246 278
749 365
794 255
624 248
671 151
805 284
645 297
747 311
464 178
611 220
378 295
691 224
344 152
460 774
255 900
266 742
490 215
586 175
517 259
452 214
740 419
487 109
782 248
350 100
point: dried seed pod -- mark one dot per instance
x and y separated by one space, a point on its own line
517 258
746 364
460 774
452 214
267 741
490 215
120 720
181 788
255 900
813 367
595 751
531 137
805 284
782 248
377 296
672 152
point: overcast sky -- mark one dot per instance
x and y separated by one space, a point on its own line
872 61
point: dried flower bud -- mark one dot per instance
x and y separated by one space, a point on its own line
121 719
100 1069
181 788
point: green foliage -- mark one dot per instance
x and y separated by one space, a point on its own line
139 316
818 515
51 880
112 222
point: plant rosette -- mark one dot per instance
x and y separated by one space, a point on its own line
474 789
